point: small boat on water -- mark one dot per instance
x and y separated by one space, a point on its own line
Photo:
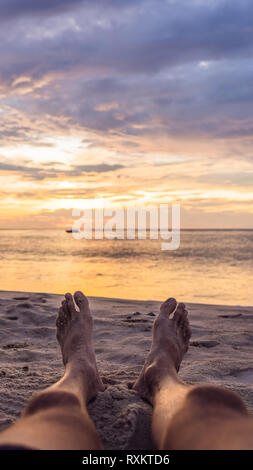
72 230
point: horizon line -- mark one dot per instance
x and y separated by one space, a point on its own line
147 229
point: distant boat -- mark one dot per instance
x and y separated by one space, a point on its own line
72 230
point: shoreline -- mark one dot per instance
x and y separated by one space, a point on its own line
221 352
130 300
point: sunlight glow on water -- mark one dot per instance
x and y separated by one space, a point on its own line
209 267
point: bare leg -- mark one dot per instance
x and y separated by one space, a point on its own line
188 417
57 418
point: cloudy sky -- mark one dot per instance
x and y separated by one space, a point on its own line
135 102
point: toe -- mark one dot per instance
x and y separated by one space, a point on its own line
178 313
70 305
66 312
186 330
168 306
60 318
183 318
188 334
81 300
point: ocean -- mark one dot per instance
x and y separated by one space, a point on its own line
210 266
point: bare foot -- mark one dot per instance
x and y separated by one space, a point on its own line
74 334
170 343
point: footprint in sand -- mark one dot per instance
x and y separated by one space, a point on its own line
237 315
135 320
204 344
151 314
15 346
21 298
244 376
25 305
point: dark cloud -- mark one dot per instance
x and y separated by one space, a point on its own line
41 174
147 41
26 171
15 8
99 168
173 68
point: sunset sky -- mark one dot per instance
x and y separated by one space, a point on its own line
136 102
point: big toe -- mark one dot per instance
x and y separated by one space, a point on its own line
81 300
70 306
168 306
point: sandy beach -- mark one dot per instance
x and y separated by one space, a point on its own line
221 352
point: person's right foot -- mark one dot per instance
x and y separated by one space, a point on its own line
170 343
74 334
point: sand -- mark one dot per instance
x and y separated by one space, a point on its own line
220 353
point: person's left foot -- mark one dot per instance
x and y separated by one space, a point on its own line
170 343
74 334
